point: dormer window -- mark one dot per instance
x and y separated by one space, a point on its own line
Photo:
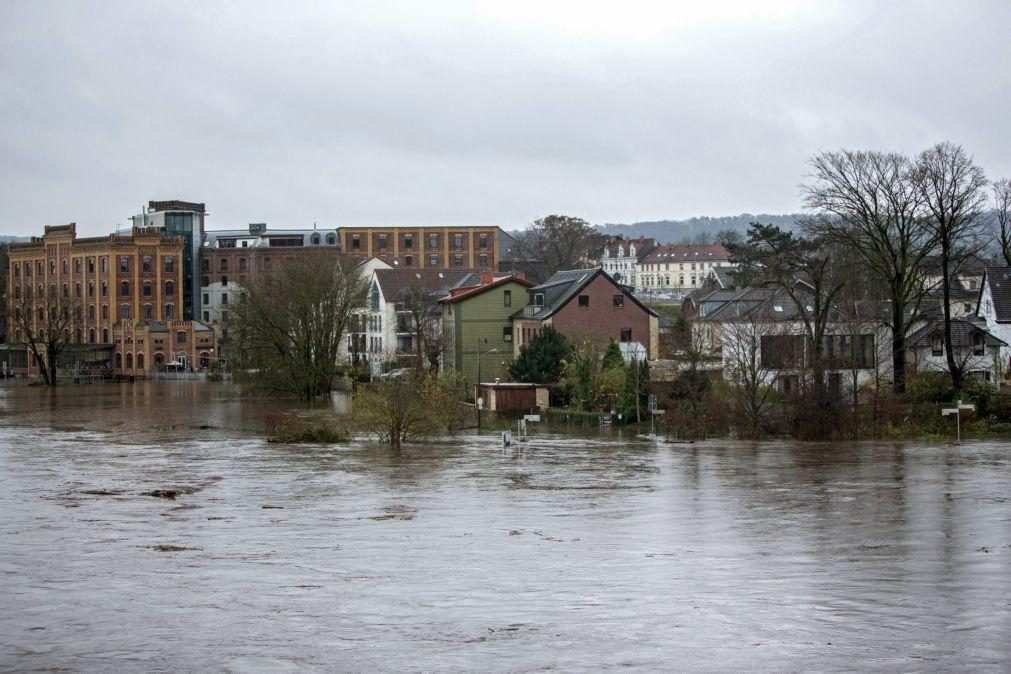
538 299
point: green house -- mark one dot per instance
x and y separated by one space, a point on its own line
477 326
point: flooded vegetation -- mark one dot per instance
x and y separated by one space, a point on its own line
152 526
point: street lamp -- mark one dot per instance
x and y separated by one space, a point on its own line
477 397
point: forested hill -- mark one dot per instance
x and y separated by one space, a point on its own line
9 239
674 231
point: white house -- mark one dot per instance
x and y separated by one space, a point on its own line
982 355
994 304
621 255
677 269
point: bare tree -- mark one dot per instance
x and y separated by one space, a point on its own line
1002 198
48 325
402 410
288 326
746 370
951 187
422 306
557 242
871 205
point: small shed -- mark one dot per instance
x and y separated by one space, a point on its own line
507 396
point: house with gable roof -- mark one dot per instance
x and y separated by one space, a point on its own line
588 302
993 305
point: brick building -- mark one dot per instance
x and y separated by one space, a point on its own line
588 302
112 285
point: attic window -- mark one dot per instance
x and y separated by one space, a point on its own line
978 344
538 299
584 301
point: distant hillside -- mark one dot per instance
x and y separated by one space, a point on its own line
675 231
9 239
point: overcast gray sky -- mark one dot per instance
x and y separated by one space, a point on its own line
485 113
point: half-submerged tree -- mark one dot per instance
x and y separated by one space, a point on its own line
951 187
48 326
870 204
558 242
421 405
288 325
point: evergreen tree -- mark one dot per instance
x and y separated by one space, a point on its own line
540 361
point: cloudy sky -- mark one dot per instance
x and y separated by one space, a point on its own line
490 113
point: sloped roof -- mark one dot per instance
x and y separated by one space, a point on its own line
394 282
564 285
962 332
998 280
679 252
466 292
642 245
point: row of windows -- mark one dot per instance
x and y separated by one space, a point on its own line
408 241
147 312
648 280
147 265
147 289
617 301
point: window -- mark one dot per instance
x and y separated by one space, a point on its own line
66 290
433 260
124 311
41 268
507 298
148 312
170 265
626 334
408 261
224 298
105 335
458 241
170 288
482 241
331 239
936 346
91 312
356 242
978 344
223 264
408 241
105 315
458 260
507 334
66 265
105 288
618 301
52 267
207 316
224 280
77 266
17 270
124 265
169 312
268 263
146 264
28 269
124 288
433 241
205 281
206 298
382 241
315 239
77 290
482 260
584 301
538 299
146 289
205 265
242 264
91 288
180 337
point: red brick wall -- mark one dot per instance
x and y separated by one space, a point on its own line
602 317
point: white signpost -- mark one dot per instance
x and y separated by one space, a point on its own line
957 411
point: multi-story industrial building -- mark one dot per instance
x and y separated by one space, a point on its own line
112 288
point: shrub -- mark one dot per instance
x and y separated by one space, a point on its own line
290 427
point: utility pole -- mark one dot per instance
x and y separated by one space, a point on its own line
477 393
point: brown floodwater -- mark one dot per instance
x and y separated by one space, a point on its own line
567 552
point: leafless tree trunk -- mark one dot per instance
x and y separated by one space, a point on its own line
951 187
1002 197
48 326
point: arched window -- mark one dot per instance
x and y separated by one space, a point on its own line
124 311
41 314
52 267
17 292
315 239
169 265
105 335
145 289
91 288
140 361
66 290
223 264
146 264
169 312
119 361
124 288
77 336
148 312
129 361
159 358
28 292
66 265
77 290
91 336
105 312
170 288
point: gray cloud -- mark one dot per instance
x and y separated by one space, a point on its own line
485 113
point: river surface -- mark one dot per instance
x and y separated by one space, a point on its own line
567 553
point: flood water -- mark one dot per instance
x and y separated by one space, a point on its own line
567 553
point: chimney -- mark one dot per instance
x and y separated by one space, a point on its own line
486 278
522 275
